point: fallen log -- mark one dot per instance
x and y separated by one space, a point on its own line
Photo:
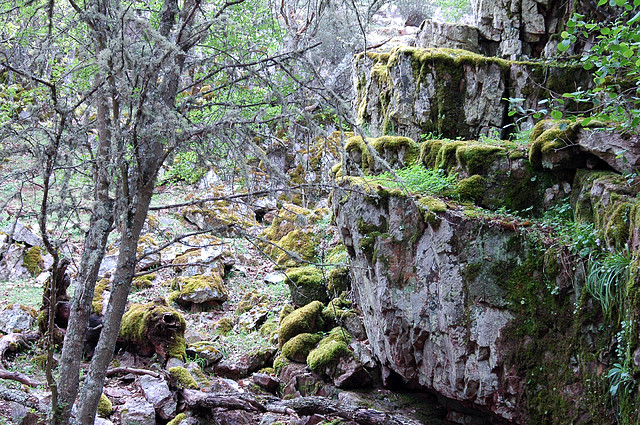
307 406
20 377
14 341
300 406
232 401
117 370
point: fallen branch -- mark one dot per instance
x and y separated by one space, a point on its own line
13 342
117 370
233 401
300 406
20 377
307 406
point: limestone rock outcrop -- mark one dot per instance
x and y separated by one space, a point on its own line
452 93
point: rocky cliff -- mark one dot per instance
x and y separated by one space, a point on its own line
452 93
488 308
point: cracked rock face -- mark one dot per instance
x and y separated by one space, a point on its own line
434 304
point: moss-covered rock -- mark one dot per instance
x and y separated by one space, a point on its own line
206 351
306 284
297 348
98 303
105 407
178 419
144 281
329 351
339 280
181 378
149 328
250 300
223 326
203 290
303 320
32 260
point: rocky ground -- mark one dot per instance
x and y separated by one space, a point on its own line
269 337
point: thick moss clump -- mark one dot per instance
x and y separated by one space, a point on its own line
204 290
248 301
472 188
306 284
179 418
297 348
32 260
329 351
154 327
181 378
144 281
477 158
98 296
105 407
303 320
339 280
224 326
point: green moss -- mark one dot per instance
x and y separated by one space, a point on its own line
300 241
472 188
547 137
339 280
280 363
248 301
40 361
297 348
189 285
268 328
302 320
98 296
144 281
431 207
32 260
306 284
181 378
179 418
105 407
136 322
285 311
329 351
477 158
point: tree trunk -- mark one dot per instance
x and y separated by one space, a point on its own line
95 243
125 270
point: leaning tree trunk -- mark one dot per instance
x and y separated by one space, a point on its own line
95 242
135 216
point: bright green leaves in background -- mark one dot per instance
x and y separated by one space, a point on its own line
614 59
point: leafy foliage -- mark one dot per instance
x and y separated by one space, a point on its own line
420 180
615 61
606 279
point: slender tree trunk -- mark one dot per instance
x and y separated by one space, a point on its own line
136 214
100 227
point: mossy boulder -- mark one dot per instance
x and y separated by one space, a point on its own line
105 407
206 351
33 261
178 419
374 155
100 296
181 378
249 300
154 328
330 349
306 284
203 290
297 348
292 237
339 280
306 319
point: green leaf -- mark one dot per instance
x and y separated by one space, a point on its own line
605 31
556 115
564 34
621 2
586 121
564 45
